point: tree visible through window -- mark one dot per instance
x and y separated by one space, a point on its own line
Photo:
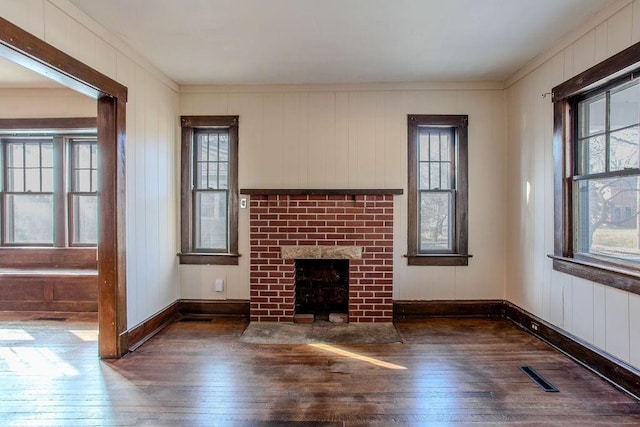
606 180
437 190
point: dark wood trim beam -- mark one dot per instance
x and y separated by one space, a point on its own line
26 49
48 258
439 259
112 314
208 309
447 308
608 367
599 73
50 123
599 273
141 333
209 259
320 191
208 121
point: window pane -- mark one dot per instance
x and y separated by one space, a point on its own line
213 176
435 221
445 147
434 147
210 220
224 147
424 176
47 180
15 156
223 176
423 142
213 147
201 175
15 180
29 219
202 147
445 175
624 149
32 180
83 181
435 176
607 217
47 155
624 109
32 155
85 219
82 156
592 116
94 180
592 154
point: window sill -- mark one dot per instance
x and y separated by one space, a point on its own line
208 259
616 277
455 260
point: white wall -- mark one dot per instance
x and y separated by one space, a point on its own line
356 137
152 112
45 102
606 317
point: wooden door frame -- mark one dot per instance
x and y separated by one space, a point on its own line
25 49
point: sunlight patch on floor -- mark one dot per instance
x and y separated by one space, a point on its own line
35 361
15 335
356 356
85 334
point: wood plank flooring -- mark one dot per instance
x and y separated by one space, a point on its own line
447 372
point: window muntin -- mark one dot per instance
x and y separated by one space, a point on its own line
437 193
606 180
83 196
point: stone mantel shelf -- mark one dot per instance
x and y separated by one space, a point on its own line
321 191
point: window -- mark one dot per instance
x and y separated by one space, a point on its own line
597 173
28 192
209 223
36 181
437 190
83 196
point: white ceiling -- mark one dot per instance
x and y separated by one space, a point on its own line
339 41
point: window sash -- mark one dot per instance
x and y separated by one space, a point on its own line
214 227
430 227
606 176
82 198
20 221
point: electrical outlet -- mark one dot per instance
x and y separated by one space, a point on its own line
219 285
534 326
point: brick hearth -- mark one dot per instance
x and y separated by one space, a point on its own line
301 223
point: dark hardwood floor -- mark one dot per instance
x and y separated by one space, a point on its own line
448 371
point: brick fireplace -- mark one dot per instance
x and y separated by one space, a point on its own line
356 225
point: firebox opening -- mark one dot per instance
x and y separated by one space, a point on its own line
322 287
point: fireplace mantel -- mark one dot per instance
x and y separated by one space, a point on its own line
321 191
